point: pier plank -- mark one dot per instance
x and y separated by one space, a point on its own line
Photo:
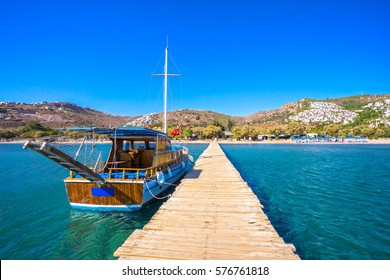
213 214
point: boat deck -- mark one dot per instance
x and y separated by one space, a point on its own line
213 214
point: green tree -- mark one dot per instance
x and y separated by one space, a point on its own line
318 128
217 123
254 134
75 135
212 131
198 132
357 131
379 133
276 130
387 132
247 131
236 132
230 124
368 131
295 128
262 130
332 129
33 126
187 132
344 132
7 134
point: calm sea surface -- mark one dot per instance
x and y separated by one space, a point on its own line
36 221
330 201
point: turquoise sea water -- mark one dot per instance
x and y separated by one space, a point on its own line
330 201
36 221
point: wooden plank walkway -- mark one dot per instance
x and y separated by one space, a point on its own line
213 214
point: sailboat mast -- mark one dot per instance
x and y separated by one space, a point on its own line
165 88
166 75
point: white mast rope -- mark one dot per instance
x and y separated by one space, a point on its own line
181 79
147 89
92 153
81 145
115 147
85 149
97 161
174 63
162 55
156 150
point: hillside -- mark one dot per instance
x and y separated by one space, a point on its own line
370 111
54 115
277 116
188 118
334 110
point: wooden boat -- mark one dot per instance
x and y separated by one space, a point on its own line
141 164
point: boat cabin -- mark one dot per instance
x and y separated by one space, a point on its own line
139 152
135 152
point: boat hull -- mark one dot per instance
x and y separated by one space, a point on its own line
120 195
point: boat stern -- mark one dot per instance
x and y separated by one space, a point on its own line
122 196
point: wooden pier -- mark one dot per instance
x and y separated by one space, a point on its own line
213 214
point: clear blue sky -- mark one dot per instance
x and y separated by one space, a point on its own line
235 57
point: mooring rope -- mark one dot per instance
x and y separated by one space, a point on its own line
167 196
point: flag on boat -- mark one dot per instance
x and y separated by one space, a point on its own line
177 131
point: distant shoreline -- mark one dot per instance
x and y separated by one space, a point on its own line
64 142
288 142
242 142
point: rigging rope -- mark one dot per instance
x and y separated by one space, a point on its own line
174 63
115 147
147 89
76 149
158 62
181 83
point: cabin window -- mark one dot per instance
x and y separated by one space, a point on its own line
152 145
167 145
126 145
139 145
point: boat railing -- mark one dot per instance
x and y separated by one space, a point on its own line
113 172
148 172
122 173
